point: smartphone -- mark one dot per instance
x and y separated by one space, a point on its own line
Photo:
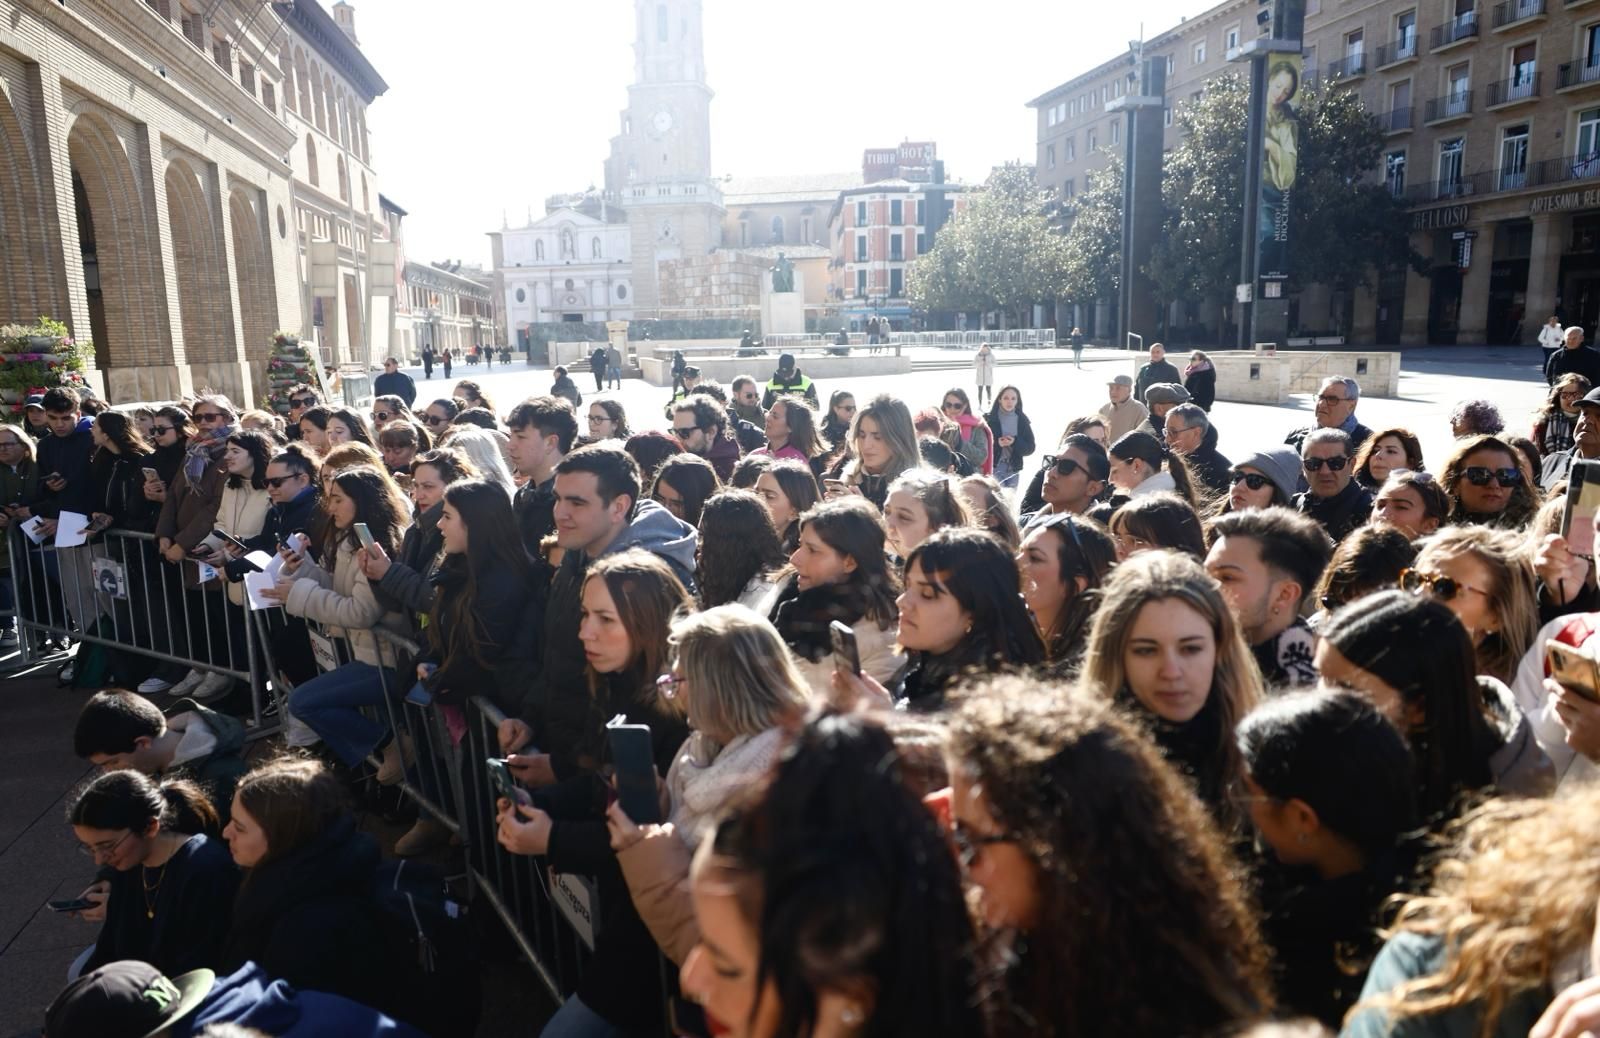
363 535
77 904
231 539
1573 670
505 784
151 475
846 659
634 763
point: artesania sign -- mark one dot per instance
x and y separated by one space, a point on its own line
1584 199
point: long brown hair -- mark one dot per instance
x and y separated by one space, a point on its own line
648 597
1525 498
123 434
379 503
494 545
803 435
1137 890
294 800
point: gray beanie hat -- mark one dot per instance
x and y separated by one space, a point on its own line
1279 464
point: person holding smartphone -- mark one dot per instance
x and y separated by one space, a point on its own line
338 594
166 896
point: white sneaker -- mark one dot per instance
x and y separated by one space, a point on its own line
150 686
189 683
212 686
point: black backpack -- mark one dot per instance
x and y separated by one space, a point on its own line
428 930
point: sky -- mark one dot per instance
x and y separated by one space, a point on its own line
496 104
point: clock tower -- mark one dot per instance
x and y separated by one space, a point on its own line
659 170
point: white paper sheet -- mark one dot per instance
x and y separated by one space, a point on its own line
255 583
30 529
70 528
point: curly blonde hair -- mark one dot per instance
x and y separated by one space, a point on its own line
1504 902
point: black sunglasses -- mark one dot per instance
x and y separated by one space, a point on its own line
433 419
275 482
684 434
1253 480
1334 464
380 416
1063 466
161 430
1479 476
304 401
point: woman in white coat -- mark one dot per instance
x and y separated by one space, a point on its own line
1552 335
983 372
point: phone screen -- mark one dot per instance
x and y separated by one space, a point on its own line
633 761
363 534
846 658
504 784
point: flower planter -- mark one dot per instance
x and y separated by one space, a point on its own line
12 396
42 343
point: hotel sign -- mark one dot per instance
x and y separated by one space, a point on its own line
1439 219
1585 199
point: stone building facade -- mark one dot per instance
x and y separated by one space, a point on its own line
448 310
1491 117
151 151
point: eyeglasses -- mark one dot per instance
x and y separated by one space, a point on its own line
6 445
210 416
95 850
952 405
600 419
1334 464
1131 545
683 433
1479 476
274 482
1063 466
1439 586
380 416
161 430
668 685
1253 480
303 401
433 420
1328 398
969 843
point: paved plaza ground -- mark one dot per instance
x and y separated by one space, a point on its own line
38 860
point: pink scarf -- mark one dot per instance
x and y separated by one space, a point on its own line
967 421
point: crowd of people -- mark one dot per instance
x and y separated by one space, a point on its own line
956 726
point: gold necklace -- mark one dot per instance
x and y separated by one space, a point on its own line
151 894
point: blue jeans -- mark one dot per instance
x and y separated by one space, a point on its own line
331 705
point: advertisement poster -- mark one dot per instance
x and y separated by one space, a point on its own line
1280 154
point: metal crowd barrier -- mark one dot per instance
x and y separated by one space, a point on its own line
116 591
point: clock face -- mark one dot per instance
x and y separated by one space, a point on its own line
661 122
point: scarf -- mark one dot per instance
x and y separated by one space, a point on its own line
204 450
968 422
1199 365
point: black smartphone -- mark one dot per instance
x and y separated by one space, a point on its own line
231 539
633 761
505 784
77 904
846 658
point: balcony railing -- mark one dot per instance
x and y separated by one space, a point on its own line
1464 186
1396 51
1530 175
1510 91
1451 106
1397 121
1461 27
1578 73
1348 66
1513 11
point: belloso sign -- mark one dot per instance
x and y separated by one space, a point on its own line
1438 219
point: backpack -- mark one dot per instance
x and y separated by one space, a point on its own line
429 932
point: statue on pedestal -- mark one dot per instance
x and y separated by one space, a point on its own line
782 274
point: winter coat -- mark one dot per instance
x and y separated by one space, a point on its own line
1583 361
311 918
535 509
118 487
1520 767
703 779
723 456
17 485
1022 445
242 512
193 903
975 444
802 619
296 516
1340 514
1201 381
190 510
1552 336
1210 466
395 383
343 600
1154 373
1572 769
983 368
788 452
168 462
794 384
1410 956
210 751
406 582
69 456
1122 418
500 606
565 387
1357 432
250 998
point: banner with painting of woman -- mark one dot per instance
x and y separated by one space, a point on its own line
1279 159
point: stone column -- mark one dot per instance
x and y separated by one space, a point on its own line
1544 272
1364 318
1474 320
1419 290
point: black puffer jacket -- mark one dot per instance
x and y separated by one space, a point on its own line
312 918
407 582
501 606
118 482
296 516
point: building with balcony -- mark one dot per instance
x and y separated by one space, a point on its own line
449 310
876 230
1491 116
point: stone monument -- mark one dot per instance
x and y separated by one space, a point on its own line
782 300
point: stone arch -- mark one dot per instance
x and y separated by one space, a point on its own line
30 281
201 276
302 82
116 230
253 274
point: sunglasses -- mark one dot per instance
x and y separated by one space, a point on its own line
304 401
1253 480
1063 466
1479 476
969 843
433 419
1441 587
161 430
1334 464
685 433
275 482
380 416
214 416
952 405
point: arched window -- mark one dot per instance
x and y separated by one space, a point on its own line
311 160
344 180
318 98
538 249
286 66
302 83
366 197
661 23
594 248
777 229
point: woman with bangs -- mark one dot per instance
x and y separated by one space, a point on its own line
1385 453
1063 562
1489 483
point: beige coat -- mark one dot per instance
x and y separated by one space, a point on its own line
880 659
343 600
241 513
